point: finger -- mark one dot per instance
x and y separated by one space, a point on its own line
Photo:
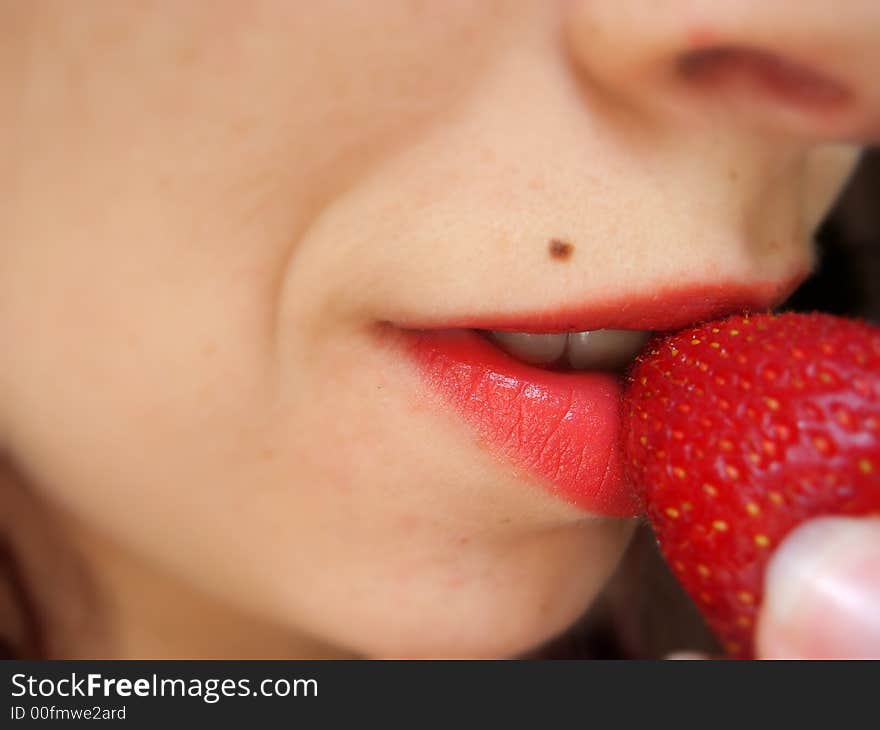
687 655
822 592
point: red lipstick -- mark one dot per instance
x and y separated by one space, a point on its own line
563 427
663 309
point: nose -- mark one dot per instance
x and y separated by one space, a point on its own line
805 70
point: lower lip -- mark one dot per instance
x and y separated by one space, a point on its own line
564 428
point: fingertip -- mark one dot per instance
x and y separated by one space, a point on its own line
822 592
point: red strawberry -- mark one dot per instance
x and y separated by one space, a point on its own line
737 431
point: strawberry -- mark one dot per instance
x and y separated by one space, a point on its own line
738 430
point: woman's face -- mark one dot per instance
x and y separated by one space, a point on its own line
223 221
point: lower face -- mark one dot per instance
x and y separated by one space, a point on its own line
274 308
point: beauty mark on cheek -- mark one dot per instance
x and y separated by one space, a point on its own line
559 249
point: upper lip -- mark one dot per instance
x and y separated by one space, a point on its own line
662 309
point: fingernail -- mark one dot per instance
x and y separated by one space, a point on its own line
822 592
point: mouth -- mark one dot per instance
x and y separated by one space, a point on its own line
606 349
554 422
546 397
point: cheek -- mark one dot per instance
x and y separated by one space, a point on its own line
143 418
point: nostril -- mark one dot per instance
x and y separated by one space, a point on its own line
723 68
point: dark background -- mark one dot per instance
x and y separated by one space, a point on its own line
849 240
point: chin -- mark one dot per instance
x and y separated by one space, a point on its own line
495 602
480 626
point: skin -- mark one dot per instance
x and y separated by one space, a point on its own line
207 209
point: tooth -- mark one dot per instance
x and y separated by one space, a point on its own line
533 349
604 349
